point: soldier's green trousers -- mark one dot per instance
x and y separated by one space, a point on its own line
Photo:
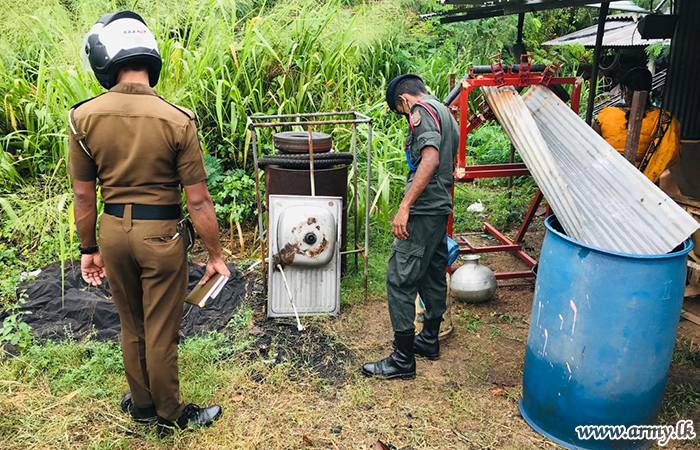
417 265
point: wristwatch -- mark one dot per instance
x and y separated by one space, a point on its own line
88 250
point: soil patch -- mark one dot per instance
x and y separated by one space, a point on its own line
84 309
314 349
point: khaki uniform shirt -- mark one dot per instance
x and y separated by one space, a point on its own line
443 134
143 148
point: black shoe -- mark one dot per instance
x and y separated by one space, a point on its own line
426 343
400 364
140 415
192 416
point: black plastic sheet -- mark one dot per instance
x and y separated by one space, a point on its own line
84 309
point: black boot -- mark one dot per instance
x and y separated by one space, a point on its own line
192 416
427 343
141 415
400 364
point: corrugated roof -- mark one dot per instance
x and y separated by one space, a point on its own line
599 198
480 9
619 32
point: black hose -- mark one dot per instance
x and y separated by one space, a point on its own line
301 161
454 92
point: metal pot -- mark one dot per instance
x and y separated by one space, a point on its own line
472 282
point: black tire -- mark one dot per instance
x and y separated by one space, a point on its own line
301 161
298 141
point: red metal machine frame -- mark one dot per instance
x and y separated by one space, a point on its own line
470 120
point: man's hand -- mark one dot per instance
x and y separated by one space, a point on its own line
215 266
398 227
93 268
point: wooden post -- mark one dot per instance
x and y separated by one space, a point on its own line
452 82
634 125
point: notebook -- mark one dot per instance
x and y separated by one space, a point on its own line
203 292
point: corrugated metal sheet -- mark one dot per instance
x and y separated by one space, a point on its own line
315 291
616 207
618 33
515 118
683 90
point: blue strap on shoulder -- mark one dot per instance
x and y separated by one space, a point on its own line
408 160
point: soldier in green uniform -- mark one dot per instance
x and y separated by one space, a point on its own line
143 150
418 258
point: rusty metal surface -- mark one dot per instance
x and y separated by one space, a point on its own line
314 287
329 182
298 141
291 120
621 209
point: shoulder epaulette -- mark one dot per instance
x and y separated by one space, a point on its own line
86 100
431 112
186 112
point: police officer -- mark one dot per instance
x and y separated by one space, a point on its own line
418 258
142 149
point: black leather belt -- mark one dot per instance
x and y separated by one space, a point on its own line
145 212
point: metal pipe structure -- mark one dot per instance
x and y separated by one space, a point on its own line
290 120
469 119
605 6
259 202
313 122
367 195
311 163
354 190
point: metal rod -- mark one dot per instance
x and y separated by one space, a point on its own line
367 195
300 327
576 96
313 122
312 174
513 275
605 6
291 116
350 252
521 23
354 191
491 249
259 201
527 220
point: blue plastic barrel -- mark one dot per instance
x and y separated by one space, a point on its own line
602 331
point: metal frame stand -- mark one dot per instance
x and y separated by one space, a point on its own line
310 120
469 120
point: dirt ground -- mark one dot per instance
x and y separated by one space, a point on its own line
465 400
292 390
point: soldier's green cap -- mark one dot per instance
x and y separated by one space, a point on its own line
391 89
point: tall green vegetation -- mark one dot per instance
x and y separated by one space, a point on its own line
226 59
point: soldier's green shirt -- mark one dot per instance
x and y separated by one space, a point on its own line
443 134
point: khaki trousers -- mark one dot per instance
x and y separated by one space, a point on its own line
147 274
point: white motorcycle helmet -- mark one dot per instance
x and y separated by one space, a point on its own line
117 39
